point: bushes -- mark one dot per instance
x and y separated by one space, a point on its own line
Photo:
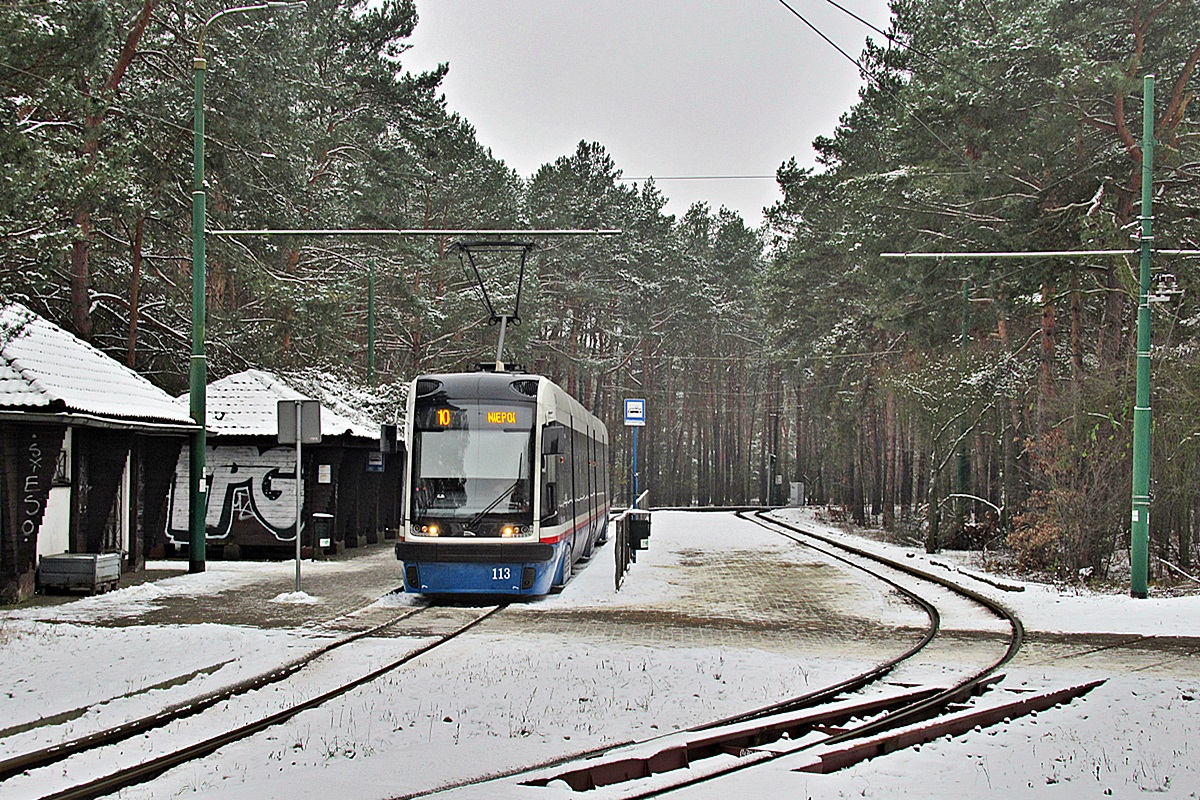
1069 523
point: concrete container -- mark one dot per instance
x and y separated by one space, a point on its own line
91 572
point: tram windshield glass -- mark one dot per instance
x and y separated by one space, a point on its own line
471 461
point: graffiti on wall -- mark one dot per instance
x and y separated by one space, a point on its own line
248 486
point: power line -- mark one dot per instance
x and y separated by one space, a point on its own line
879 83
828 41
907 46
909 109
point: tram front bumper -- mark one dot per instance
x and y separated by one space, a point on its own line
474 553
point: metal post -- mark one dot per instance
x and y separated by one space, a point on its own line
776 469
500 345
299 488
198 371
963 473
371 324
635 470
1140 529
197 463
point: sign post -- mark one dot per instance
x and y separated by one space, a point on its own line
299 421
635 417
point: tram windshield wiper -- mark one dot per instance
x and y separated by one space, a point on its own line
507 491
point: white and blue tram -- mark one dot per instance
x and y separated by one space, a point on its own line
507 484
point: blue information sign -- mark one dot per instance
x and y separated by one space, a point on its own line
635 412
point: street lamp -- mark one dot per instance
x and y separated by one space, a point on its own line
198 372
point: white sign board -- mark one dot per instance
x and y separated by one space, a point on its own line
635 412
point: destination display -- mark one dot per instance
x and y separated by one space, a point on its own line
473 417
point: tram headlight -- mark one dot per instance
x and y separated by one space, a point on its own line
429 529
510 531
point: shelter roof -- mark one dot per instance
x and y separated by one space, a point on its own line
44 368
246 404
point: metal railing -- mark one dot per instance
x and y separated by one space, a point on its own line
633 533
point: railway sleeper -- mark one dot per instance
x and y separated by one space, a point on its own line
739 740
844 755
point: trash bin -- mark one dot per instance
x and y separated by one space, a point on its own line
322 534
639 531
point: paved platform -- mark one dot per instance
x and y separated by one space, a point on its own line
745 598
245 593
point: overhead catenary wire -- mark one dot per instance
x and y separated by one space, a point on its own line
1038 254
867 73
893 40
879 83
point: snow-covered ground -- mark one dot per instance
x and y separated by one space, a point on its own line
509 697
1139 733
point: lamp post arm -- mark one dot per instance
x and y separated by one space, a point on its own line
237 10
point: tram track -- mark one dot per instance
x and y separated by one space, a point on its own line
27 766
973 682
40 757
835 727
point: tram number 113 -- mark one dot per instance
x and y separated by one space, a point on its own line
502 574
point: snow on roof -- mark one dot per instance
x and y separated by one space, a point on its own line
365 405
246 404
45 368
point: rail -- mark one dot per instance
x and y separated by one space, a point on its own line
122 777
851 731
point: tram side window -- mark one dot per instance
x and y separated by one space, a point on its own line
602 465
581 461
553 467
591 470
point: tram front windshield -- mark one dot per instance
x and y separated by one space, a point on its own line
471 461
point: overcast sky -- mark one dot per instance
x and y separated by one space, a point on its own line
671 88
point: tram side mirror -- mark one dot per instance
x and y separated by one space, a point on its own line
550 468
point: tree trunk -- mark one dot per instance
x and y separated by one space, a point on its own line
1046 367
81 282
135 279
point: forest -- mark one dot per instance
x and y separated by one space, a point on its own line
981 403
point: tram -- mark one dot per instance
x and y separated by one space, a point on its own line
507 485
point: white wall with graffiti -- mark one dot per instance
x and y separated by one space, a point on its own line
252 493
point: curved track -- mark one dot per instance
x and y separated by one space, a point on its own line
95 745
831 735
606 766
964 687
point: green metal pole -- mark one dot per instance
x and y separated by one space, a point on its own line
1140 531
198 484
963 477
371 324
198 371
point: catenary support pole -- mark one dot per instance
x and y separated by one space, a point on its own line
371 324
1140 529
1140 511
299 488
198 370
